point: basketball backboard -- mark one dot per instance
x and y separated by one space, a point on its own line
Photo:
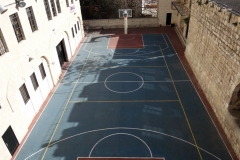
122 11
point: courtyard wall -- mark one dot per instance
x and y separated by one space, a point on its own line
213 52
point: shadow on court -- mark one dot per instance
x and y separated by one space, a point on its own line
125 103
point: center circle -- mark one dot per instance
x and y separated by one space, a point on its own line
124 82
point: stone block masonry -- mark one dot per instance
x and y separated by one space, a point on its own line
213 52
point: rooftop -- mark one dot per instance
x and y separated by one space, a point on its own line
231 4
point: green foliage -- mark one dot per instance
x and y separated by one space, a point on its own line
186 20
99 9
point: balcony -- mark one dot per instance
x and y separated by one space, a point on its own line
180 7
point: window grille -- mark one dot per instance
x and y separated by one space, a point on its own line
73 33
53 7
47 8
31 18
24 93
67 3
58 6
42 71
78 25
3 48
75 28
16 27
34 81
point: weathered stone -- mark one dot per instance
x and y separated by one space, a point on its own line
213 49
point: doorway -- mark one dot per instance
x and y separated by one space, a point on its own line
61 52
10 140
168 18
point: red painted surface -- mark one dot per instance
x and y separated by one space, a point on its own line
125 41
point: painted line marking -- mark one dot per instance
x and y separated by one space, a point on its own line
127 82
126 158
127 101
142 81
124 53
64 109
201 100
128 67
122 134
123 128
183 108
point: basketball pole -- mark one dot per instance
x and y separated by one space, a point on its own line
125 24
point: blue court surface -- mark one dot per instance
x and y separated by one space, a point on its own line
125 103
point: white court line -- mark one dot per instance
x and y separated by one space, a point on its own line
132 48
108 42
126 128
165 41
125 67
120 134
128 81
127 158
124 73
125 53
201 99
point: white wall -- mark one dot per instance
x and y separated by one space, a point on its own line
164 8
15 68
118 23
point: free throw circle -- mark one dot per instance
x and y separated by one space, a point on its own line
124 82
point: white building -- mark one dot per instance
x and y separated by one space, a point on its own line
35 40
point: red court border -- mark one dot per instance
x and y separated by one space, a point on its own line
176 43
118 158
125 41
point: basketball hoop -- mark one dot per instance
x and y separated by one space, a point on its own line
122 11
125 13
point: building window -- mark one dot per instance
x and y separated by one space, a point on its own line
58 6
3 48
31 18
16 27
72 1
34 81
47 8
78 25
75 28
42 71
24 93
72 32
67 3
53 7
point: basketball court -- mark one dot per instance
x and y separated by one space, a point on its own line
125 96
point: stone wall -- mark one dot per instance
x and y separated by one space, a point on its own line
118 23
213 52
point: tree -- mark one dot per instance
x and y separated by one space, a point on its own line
100 9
